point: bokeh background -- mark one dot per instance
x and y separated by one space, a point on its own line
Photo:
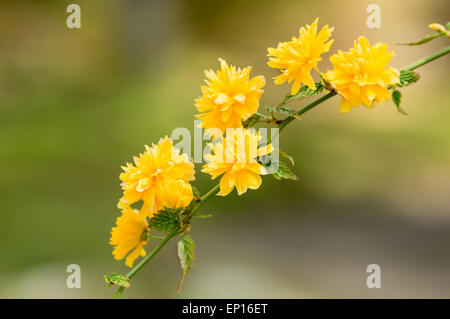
77 104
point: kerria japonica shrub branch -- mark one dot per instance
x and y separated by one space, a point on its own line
157 191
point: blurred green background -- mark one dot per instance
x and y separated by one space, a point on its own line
75 105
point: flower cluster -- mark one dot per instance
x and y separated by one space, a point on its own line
230 98
158 179
360 75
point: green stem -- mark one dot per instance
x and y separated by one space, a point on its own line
428 59
157 237
146 260
169 236
281 126
289 119
213 191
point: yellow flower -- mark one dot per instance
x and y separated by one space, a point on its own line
235 158
150 178
296 58
360 75
229 97
440 28
131 232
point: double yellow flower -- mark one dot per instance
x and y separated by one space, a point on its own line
158 179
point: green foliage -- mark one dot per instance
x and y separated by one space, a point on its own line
166 221
186 247
397 98
284 172
203 216
407 78
287 156
283 110
428 38
195 192
304 91
255 118
117 280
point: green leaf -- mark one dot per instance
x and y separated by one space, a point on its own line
427 39
186 247
283 110
117 280
408 78
289 157
166 221
397 98
252 120
195 192
284 172
304 91
203 216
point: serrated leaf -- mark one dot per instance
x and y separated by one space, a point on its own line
304 91
397 98
117 280
165 221
407 78
252 120
186 247
284 172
